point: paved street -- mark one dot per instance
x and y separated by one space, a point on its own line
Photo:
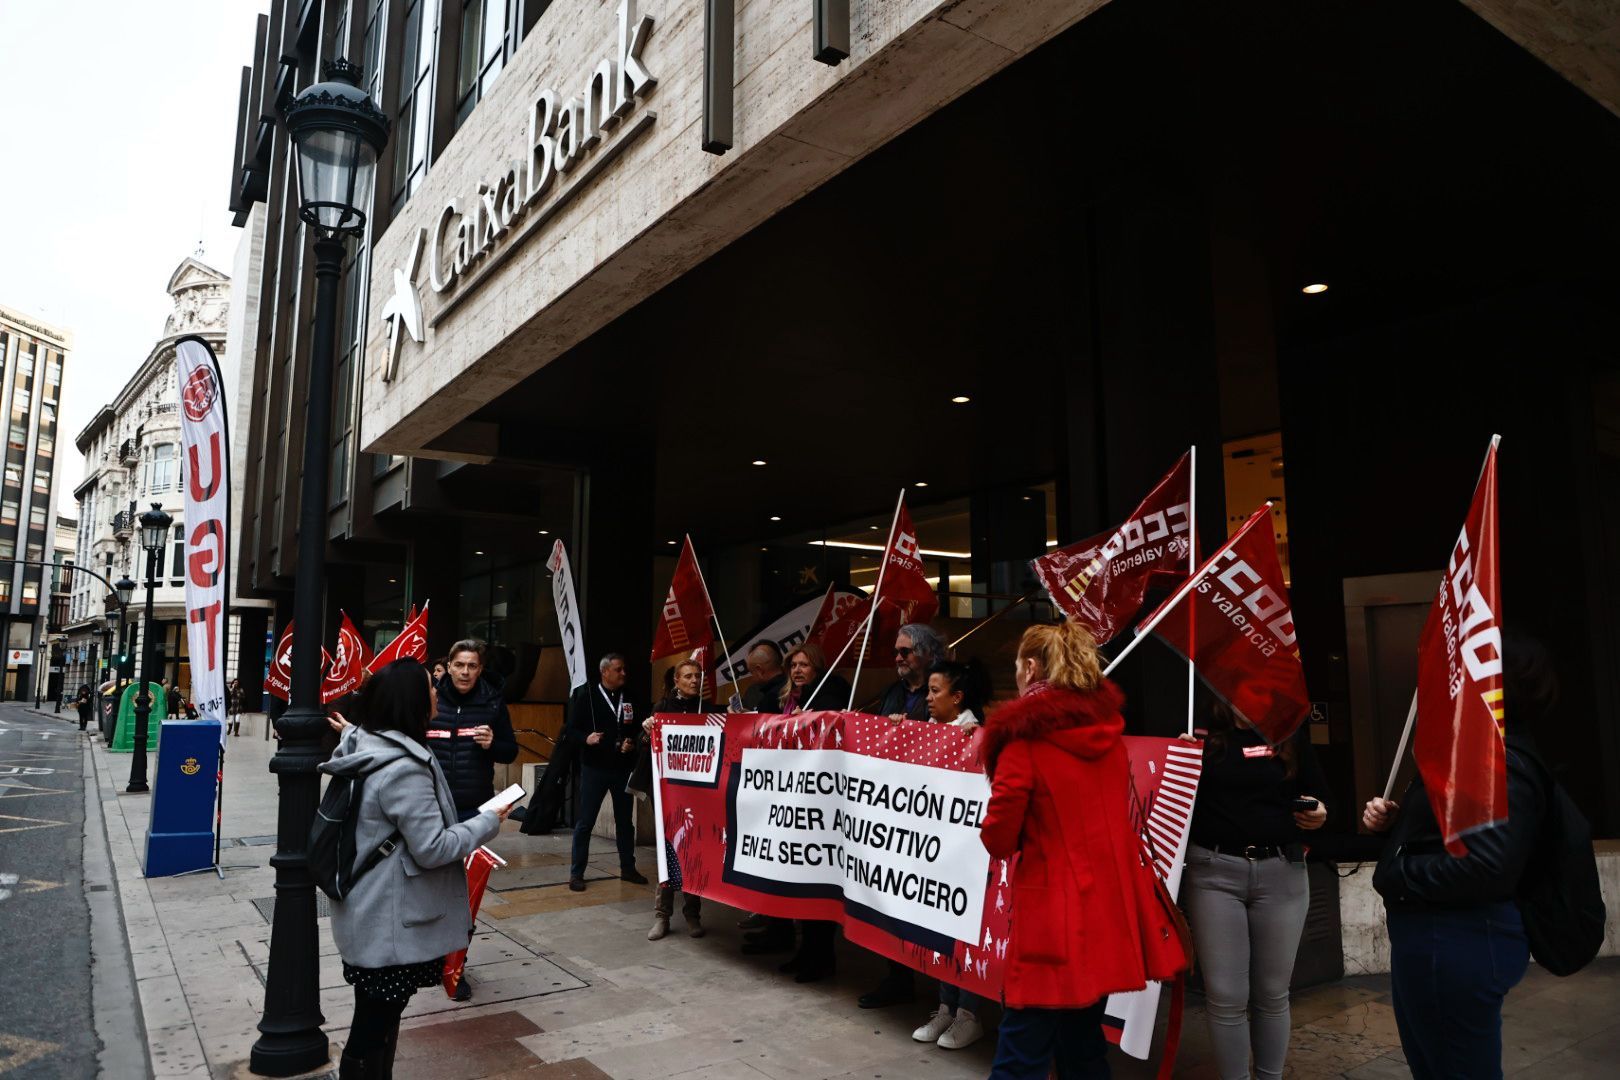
567 986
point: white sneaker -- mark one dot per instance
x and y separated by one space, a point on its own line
964 1031
935 1027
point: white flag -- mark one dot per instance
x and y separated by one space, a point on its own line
206 457
562 594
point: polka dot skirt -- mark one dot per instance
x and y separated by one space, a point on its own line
397 982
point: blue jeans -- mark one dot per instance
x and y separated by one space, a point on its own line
1450 971
594 786
1031 1040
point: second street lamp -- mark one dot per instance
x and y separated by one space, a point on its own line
338 133
154 535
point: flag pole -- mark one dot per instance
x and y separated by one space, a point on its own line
725 652
988 619
1400 751
1192 563
877 598
1181 593
832 667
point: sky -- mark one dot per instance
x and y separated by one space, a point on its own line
118 121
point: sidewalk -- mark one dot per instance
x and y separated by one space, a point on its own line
568 988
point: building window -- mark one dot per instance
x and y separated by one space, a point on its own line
25 362
5 590
9 509
179 571
36 517
42 481
14 475
19 436
30 593
22 401
163 462
46 447
414 114
485 46
36 553
8 549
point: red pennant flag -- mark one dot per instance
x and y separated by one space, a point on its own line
278 680
344 671
1245 631
907 597
687 620
1458 746
411 644
478 866
1100 582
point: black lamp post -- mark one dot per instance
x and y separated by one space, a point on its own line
338 133
154 535
125 588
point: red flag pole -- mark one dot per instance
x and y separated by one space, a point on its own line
1192 563
877 598
1181 593
725 653
1411 713
832 667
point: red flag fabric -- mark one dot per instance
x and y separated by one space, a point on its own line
344 671
478 864
278 680
1458 745
1100 582
907 597
411 644
686 621
1244 626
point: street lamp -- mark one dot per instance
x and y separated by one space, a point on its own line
154 535
337 132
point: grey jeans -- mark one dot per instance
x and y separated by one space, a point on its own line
1247 917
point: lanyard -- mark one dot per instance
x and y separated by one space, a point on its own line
612 707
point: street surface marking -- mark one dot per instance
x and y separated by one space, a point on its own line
16 1051
35 823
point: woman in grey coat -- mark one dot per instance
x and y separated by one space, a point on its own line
399 921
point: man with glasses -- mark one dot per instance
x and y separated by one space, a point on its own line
916 649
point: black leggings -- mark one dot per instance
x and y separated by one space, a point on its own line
375 1022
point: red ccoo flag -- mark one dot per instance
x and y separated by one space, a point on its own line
1458 747
1245 631
687 619
411 644
1100 582
353 659
906 597
278 680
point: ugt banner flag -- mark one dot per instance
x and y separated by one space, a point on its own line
1100 582
1244 627
205 444
903 596
687 619
1458 746
411 644
562 595
345 669
278 680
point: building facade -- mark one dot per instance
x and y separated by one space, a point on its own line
623 282
33 356
133 459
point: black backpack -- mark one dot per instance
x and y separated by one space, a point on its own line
1559 896
332 855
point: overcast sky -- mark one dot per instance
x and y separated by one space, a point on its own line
118 119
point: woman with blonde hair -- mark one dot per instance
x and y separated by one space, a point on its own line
804 690
1089 922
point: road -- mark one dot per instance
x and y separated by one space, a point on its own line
46 1027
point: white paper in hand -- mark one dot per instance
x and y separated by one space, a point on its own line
504 798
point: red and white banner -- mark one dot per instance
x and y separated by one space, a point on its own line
345 668
858 820
788 631
1458 747
1100 582
278 680
905 597
411 644
562 595
686 621
206 452
478 866
1247 652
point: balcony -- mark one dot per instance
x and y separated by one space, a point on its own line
123 524
129 451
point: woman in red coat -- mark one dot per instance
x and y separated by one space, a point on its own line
1086 922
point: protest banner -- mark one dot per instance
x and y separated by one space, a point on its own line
872 824
786 631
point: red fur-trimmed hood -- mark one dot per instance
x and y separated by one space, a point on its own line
1085 724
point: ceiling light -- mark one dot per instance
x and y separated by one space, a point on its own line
758 461
1316 288
920 483
872 527
478 553
545 532
776 517
393 581
960 399
669 542
854 546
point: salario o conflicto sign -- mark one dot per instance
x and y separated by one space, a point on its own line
564 139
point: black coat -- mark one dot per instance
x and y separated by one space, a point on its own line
468 767
588 712
1416 872
894 701
765 697
834 694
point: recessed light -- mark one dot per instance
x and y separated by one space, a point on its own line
764 549
1316 288
545 532
478 553
960 399
758 461
393 581
920 483
776 517
872 527
670 542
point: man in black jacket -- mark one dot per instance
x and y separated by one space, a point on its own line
765 665
471 731
602 722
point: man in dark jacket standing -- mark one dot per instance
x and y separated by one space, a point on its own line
472 731
765 665
602 722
